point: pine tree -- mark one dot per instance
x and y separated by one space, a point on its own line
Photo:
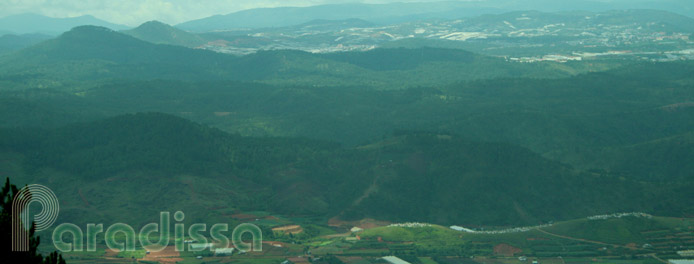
6 195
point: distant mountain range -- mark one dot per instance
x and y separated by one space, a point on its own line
512 34
33 23
376 13
287 16
402 12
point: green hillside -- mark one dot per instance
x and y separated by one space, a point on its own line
88 54
155 154
667 159
572 240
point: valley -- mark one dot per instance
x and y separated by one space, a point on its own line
356 133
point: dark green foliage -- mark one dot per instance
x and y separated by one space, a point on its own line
438 173
31 256
125 143
401 59
438 178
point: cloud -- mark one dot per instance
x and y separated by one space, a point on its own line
134 12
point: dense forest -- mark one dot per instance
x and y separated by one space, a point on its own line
402 134
158 153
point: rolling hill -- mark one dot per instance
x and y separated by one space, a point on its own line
99 43
665 159
97 53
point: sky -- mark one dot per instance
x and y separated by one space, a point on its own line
135 12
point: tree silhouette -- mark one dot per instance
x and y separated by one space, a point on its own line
7 194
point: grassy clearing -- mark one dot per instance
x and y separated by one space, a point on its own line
619 231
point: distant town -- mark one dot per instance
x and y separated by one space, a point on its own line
518 37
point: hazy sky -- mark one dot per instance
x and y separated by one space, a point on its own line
134 12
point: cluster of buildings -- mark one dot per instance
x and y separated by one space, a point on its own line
584 39
552 57
619 215
412 224
681 261
503 231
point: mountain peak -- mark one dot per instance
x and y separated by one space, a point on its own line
92 33
161 33
89 28
154 23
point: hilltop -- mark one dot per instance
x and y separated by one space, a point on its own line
97 53
159 33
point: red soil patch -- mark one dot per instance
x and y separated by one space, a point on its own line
110 253
506 250
168 255
365 223
349 260
244 216
291 229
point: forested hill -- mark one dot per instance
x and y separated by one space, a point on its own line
99 43
502 143
87 56
439 178
89 53
585 120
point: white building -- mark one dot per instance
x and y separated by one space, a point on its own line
200 246
223 251
394 260
458 228
356 229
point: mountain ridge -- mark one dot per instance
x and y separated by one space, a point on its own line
29 23
402 12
